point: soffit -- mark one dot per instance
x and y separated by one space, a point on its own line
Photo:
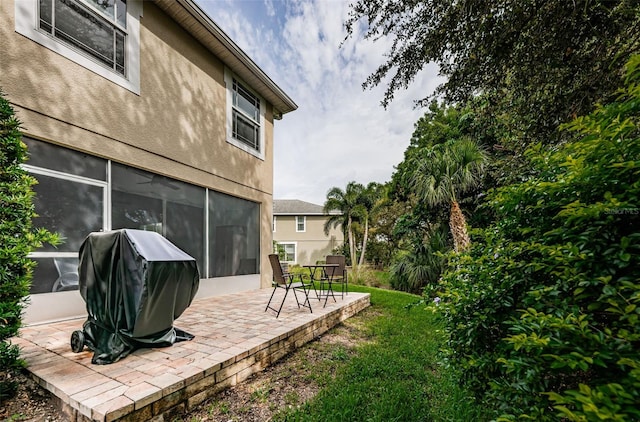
195 21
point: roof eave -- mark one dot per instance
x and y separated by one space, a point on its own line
195 21
307 213
299 213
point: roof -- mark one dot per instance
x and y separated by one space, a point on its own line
297 207
196 22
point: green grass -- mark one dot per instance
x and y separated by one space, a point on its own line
395 376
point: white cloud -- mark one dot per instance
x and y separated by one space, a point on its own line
339 133
271 11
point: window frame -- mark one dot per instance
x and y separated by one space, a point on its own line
27 17
295 251
304 223
90 12
231 81
69 177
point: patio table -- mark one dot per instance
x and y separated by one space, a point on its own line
326 274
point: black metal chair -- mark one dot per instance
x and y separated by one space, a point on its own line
288 281
338 275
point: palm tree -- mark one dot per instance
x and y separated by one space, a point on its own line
371 199
348 203
445 172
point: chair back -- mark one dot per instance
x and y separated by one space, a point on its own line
278 275
336 259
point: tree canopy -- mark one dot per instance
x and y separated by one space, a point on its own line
542 61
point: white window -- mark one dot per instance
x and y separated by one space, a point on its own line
101 35
245 116
301 223
273 227
287 252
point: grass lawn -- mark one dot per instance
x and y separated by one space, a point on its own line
393 376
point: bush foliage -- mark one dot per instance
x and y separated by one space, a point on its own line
542 313
17 239
423 264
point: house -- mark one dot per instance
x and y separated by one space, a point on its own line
143 115
298 228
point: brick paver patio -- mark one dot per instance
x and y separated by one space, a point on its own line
234 338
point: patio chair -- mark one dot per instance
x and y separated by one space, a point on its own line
288 281
67 274
338 274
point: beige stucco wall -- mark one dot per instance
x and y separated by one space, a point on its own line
312 244
175 127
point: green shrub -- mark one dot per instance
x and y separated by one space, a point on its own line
17 239
422 265
542 313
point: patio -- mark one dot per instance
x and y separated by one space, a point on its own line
234 338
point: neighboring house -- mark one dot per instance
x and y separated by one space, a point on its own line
145 115
298 227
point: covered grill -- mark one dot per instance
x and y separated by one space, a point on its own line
135 284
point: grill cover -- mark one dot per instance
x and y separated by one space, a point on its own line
135 284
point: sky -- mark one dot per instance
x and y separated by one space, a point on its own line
340 132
